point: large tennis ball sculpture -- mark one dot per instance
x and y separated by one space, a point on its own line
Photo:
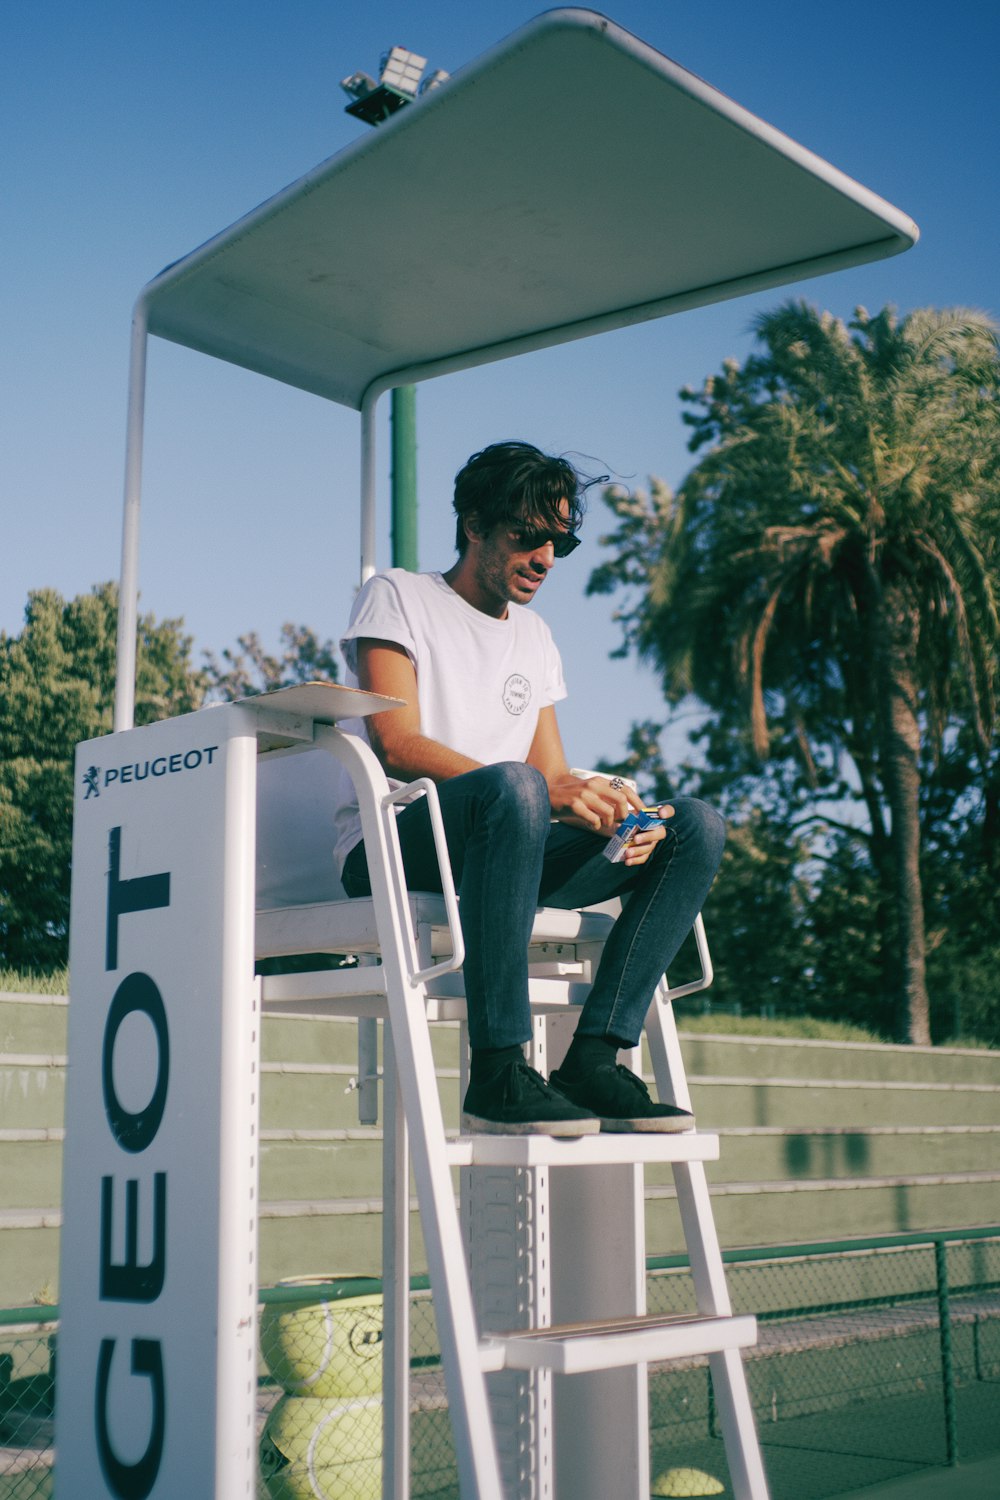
329 1344
314 1449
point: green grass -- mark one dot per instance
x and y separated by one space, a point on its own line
808 1027
23 982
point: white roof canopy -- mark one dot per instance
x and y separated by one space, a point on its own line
570 180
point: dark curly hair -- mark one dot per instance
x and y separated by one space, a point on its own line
515 484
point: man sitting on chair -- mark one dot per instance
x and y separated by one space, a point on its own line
480 677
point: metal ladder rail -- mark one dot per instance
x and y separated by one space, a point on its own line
405 983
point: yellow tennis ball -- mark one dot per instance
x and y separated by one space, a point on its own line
313 1449
329 1347
678 1482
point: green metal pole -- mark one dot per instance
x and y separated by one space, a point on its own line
947 1363
404 477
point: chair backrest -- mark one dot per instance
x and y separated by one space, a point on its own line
296 795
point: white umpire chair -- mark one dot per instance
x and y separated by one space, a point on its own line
539 1280
503 182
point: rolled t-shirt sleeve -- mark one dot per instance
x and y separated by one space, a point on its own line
377 615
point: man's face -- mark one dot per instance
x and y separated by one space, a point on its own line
512 564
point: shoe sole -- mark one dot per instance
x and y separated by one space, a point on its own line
665 1125
476 1125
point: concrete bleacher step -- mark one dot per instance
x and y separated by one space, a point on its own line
334 1039
772 1213
32 1090
298 1094
316 1096
30 1168
320 1164
755 1153
33 1023
721 1102
328 1237
311 1094
796 1058
29 1255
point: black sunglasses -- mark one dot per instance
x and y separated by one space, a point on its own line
563 542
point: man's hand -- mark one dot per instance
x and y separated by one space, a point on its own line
591 802
645 842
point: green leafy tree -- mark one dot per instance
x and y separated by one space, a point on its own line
57 683
829 570
844 973
249 669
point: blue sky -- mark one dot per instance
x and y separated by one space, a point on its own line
135 129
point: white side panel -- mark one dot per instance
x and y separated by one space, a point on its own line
158 1279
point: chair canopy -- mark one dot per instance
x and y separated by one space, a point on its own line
570 180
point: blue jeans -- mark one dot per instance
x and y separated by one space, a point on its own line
508 857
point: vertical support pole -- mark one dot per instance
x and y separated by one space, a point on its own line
368 406
947 1362
395 1280
128 585
367 1063
597 1235
404 477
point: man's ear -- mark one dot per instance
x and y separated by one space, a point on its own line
473 528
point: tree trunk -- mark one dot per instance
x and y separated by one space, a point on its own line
862 747
900 735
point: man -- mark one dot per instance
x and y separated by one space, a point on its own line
480 676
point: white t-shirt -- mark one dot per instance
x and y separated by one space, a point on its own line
481 682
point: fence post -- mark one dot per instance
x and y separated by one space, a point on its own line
977 1349
947 1366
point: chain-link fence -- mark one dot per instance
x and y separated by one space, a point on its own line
27 1389
875 1359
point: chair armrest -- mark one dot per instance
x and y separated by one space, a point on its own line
705 959
457 958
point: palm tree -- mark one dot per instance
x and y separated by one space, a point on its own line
832 560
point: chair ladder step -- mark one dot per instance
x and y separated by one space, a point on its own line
574 1348
606 1149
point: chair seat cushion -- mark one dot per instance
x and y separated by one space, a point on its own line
349 926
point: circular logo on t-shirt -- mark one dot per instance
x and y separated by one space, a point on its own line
516 693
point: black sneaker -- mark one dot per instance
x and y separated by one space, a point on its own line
622 1100
518 1101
